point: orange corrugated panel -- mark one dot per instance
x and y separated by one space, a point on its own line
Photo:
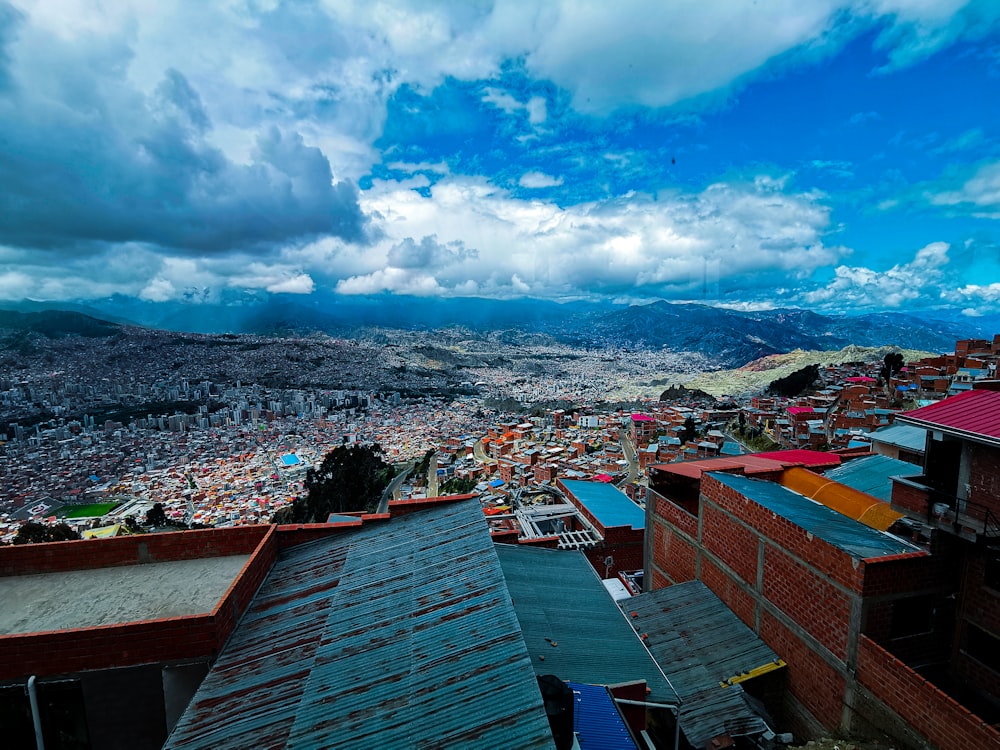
841 498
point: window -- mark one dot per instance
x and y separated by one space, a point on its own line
991 571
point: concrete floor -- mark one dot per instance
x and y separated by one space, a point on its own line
108 596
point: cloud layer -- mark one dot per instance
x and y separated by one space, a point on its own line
180 150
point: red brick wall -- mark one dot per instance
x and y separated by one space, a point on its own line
929 711
828 560
150 641
908 497
733 543
52 557
674 555
726 588
673 514
811 679
984 481
819 607
69 651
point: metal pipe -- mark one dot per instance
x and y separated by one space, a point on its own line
36 716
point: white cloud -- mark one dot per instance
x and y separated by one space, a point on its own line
857 287
539 180
299 284
744 235
980 192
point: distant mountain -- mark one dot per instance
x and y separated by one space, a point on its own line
729 337
734 337
56 323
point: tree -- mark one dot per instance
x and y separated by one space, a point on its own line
892 363
33 532
795 383
457 486
155 516
690 430
351 478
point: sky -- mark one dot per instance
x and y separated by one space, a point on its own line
837 155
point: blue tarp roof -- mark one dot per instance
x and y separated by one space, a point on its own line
871 474
609 505
396 635
854 538
596 719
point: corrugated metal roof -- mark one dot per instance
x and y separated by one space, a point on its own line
802 457
699 643
844 499
854 538
901 435
596 720
397 634
973 414
571 625
872 474
609 505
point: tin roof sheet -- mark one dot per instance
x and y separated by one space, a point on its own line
901 435
572 627
699 643
972 414
609 505
398 635
596 719
872 474
854 538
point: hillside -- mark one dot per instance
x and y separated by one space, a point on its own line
755 376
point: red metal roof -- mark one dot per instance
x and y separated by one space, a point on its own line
801 457
972 413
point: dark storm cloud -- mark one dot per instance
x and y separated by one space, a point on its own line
85 160
428 253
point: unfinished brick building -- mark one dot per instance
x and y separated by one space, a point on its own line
878 630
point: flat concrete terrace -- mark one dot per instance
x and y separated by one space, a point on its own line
115 595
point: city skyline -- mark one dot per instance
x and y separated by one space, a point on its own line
840 156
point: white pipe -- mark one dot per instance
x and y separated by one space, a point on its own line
36 716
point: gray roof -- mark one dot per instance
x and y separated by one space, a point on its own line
872 474
699 643
571 625
854 538
901 435
397 634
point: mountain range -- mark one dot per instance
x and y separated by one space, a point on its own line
729 337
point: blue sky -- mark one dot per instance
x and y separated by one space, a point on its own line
840 155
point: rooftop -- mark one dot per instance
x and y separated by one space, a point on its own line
610 506
115 595
396 634
854 538
699 643
872 474
571 625
901 435
973 414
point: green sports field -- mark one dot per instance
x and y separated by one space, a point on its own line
92 510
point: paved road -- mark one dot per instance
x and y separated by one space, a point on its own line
432 476
393 489
633 461
480 454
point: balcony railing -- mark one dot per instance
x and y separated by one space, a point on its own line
962 517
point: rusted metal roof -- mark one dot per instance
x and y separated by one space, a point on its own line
974 415
705 650
400 634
